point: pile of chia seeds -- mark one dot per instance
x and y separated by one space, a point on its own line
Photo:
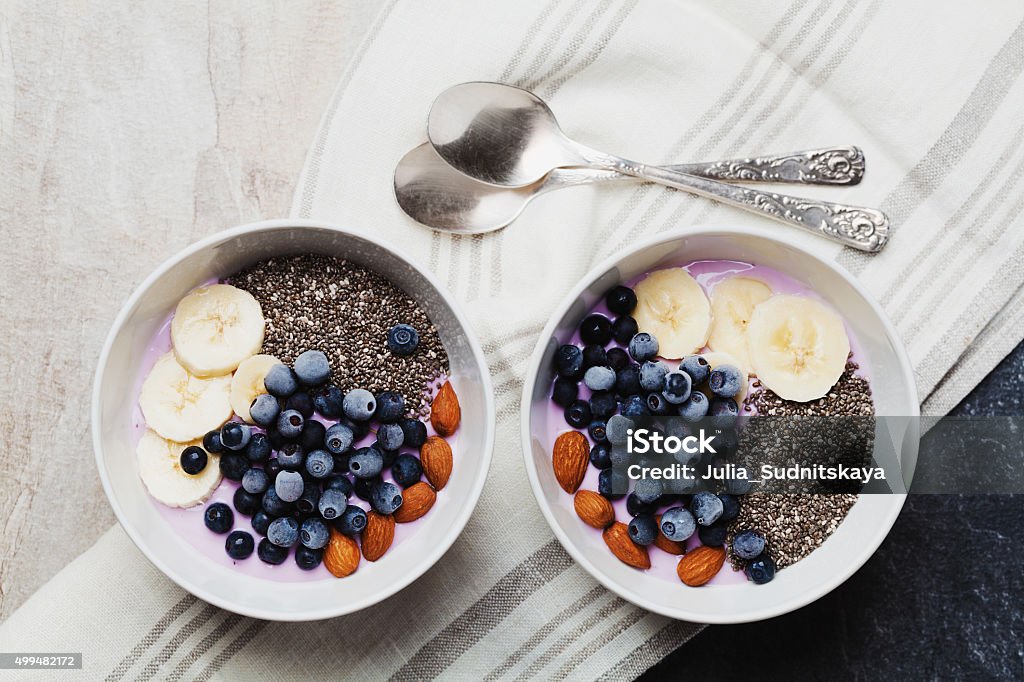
315 302
851 396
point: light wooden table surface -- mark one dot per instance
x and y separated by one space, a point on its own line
127 130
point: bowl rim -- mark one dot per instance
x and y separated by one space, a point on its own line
436 550
803 598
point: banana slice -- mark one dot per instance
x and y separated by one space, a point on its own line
798 346
181 407
247 383
732 303
716 358
673 308
161 472
215 328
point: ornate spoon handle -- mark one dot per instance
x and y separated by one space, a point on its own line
832 166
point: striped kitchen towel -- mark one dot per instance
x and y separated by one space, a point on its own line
932 91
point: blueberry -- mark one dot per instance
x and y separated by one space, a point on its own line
594 356
617 358
569 361
234 435
359 404
309 502
328 402
274 505
403 339
627 380
706 508
748 544
695 407
233 465
612 483
578 415
730 507
211 442
643 346
291 456
603 404
301 402
657 404
713 535
601 455
387 456
414 431
597 430
726 443
761 570
269 553
261 522
648 490
255 481
289 423
620 300
617 429
283 532
339 482
312 368
319 464
599 378
239 545
621 457
635 506
652 375
281 381
565 391
366 463
697 367
314 434
624 329
635 406
723 411
678 524
259 448
596 329
360 429
193 460
332 503
726 380
406 470
363 487
264 409
390 407
314 533
736 485
386 498
643 530
218 517
390 436
288 485
677 387
277 441
351 521
307 559
338 439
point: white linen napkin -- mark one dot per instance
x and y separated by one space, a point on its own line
930 90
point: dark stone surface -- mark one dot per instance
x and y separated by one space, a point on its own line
942 598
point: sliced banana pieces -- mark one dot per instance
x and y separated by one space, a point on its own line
247 383
216 327
671 306
182 407
716 358
732 304
160 469
798 346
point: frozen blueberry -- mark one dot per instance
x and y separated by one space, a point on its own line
307 559
328 402
211 442
723 411
648 490
390 436
359 404
597 430
612 483
748 544
643 530
603 404
406 470
761 569
291 456
269 553
643 346
235 435
706 508
635 406
255 481
617 429
314 434
713 535
620 300
627 380
676 387
386 498
239 545
414 432
617 358
564 391
601 455
678 524
314 533
319 464
283 532
259 448
301 402
390 407
726 380
657 404
569 361
388 456
403 339
599 378
309 502
624 329
652 375
218 517
697 367
366 463
634 507
578 415
351 521
312 368
233 465
730 507
737 484
289 485
695 407
280 381
596 329
339 481
726 443
261 522
289 423
264 409
193 460
594 356
274 505
363 487
338 438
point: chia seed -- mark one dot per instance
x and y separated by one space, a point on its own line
316 302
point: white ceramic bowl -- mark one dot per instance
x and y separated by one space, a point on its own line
114 442
868 521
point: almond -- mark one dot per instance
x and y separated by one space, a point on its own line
616 536
445 412
594 509
436 458
341 556
666 545
378 535
700 565
417 500
570 457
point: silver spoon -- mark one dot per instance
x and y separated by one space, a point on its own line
433 193
507 136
